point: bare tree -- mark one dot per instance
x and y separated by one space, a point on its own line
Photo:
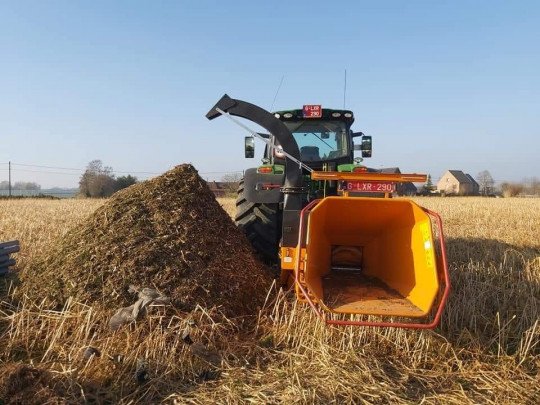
485 182
511 189
97 180
231 182
531 185
535 186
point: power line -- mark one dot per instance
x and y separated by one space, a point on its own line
229 171
128 172
41 190
277 92
80 169
83 169
68 171
47 172
46 167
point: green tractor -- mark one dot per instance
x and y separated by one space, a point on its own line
325 141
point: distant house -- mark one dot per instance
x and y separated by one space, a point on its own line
455 182
408 188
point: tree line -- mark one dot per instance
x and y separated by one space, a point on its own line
99 181
487 186
529 186
20 185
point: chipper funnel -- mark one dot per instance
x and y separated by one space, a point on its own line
370 256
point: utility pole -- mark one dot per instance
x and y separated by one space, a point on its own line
9 170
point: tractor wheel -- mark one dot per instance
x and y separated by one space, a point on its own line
261 224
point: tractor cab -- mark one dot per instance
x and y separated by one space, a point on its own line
324 137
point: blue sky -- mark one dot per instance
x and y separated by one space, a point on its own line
439 85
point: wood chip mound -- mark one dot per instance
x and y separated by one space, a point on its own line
167 233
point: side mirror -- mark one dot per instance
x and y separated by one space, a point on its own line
366 146
249 147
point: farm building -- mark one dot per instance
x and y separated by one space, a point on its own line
401 188
219 188
476 186
223 188
455 182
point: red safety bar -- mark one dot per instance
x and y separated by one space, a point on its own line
370 176
442 268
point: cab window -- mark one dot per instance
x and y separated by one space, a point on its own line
319 140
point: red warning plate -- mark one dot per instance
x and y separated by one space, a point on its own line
312 111
371 186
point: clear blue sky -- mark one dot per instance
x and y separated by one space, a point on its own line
439 85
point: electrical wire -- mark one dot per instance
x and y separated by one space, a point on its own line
45 172
113 171
231 171
79 169
46 167
277 92
55 170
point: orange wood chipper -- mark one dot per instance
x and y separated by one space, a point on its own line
353 253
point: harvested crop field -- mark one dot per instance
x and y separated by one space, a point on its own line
486 350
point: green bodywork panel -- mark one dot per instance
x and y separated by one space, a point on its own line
347 167
314 186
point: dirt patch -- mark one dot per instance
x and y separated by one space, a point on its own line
167 233
23 384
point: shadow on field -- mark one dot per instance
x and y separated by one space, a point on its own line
495 297
8 283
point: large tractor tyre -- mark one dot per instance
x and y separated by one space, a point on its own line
261 224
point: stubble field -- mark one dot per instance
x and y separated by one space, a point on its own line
486 350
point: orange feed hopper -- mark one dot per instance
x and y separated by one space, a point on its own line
371 256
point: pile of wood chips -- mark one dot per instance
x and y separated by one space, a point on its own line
167 233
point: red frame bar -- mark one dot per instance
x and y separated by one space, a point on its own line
443 274
370 176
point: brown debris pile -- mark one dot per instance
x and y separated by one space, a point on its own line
168 233
23 384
